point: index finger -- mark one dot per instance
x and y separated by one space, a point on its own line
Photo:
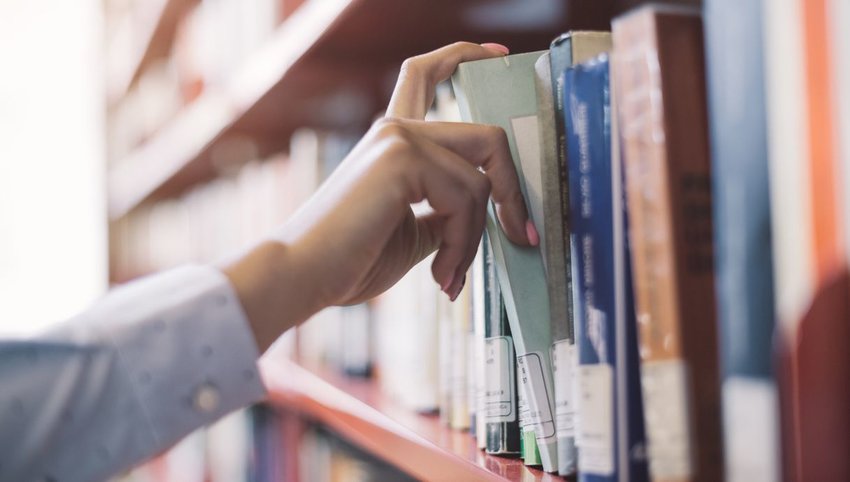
485 147
419 76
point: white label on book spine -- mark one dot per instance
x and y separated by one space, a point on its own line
532 379
499 388
665 404
596 433
563 362
751 428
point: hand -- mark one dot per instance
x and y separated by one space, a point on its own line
357 236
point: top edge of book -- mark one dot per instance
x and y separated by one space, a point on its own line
504 60
579 33
663 9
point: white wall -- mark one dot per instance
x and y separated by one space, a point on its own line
53 255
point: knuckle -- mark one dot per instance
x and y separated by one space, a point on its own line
411 66
496 133
389 128
462 44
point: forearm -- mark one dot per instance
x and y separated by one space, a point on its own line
277 289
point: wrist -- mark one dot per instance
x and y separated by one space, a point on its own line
274 286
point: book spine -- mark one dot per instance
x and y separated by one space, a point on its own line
501 422
479 301
660 76
520 269
810 236
631 437
743 236
586 95
459 342
557 272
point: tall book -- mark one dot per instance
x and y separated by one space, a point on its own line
610 429
500 92
742 238
570 48
477 366
810 230
660 78
500 400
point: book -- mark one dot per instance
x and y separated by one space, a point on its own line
660 79
479 301
742 237
500 399
500 91
809 234
567 49
610 430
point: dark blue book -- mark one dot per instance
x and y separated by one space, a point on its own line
742 236
610 416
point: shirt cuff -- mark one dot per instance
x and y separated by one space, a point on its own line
189 351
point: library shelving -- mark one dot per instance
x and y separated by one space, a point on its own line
418 444
330 64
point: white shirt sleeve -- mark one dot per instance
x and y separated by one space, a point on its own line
125 380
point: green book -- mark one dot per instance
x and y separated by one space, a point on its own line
500 92
567 50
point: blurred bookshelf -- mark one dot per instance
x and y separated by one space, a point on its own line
329 64
194 145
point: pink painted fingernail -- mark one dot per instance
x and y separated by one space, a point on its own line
497 47
531 232
459 288
446 285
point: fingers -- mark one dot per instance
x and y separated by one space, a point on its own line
485 147
419 76
459 194
456 191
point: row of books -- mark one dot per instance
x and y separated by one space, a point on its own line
687 313
210 42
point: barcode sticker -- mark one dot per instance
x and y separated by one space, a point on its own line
564 364
499 384
595 436
665 402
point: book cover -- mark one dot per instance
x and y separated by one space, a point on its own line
610 430
572 47
660 78
743 256
500 92
804 97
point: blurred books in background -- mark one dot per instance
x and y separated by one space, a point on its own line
685 316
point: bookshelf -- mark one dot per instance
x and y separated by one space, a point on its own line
416 443
158 26
331 64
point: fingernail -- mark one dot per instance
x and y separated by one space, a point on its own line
459 288
446 285
531 232
497 47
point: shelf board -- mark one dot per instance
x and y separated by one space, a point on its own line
358 410
330 65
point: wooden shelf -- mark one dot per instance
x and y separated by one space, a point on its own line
417 444
330 65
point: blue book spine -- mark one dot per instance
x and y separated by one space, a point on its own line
610 416
588 139
742 236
